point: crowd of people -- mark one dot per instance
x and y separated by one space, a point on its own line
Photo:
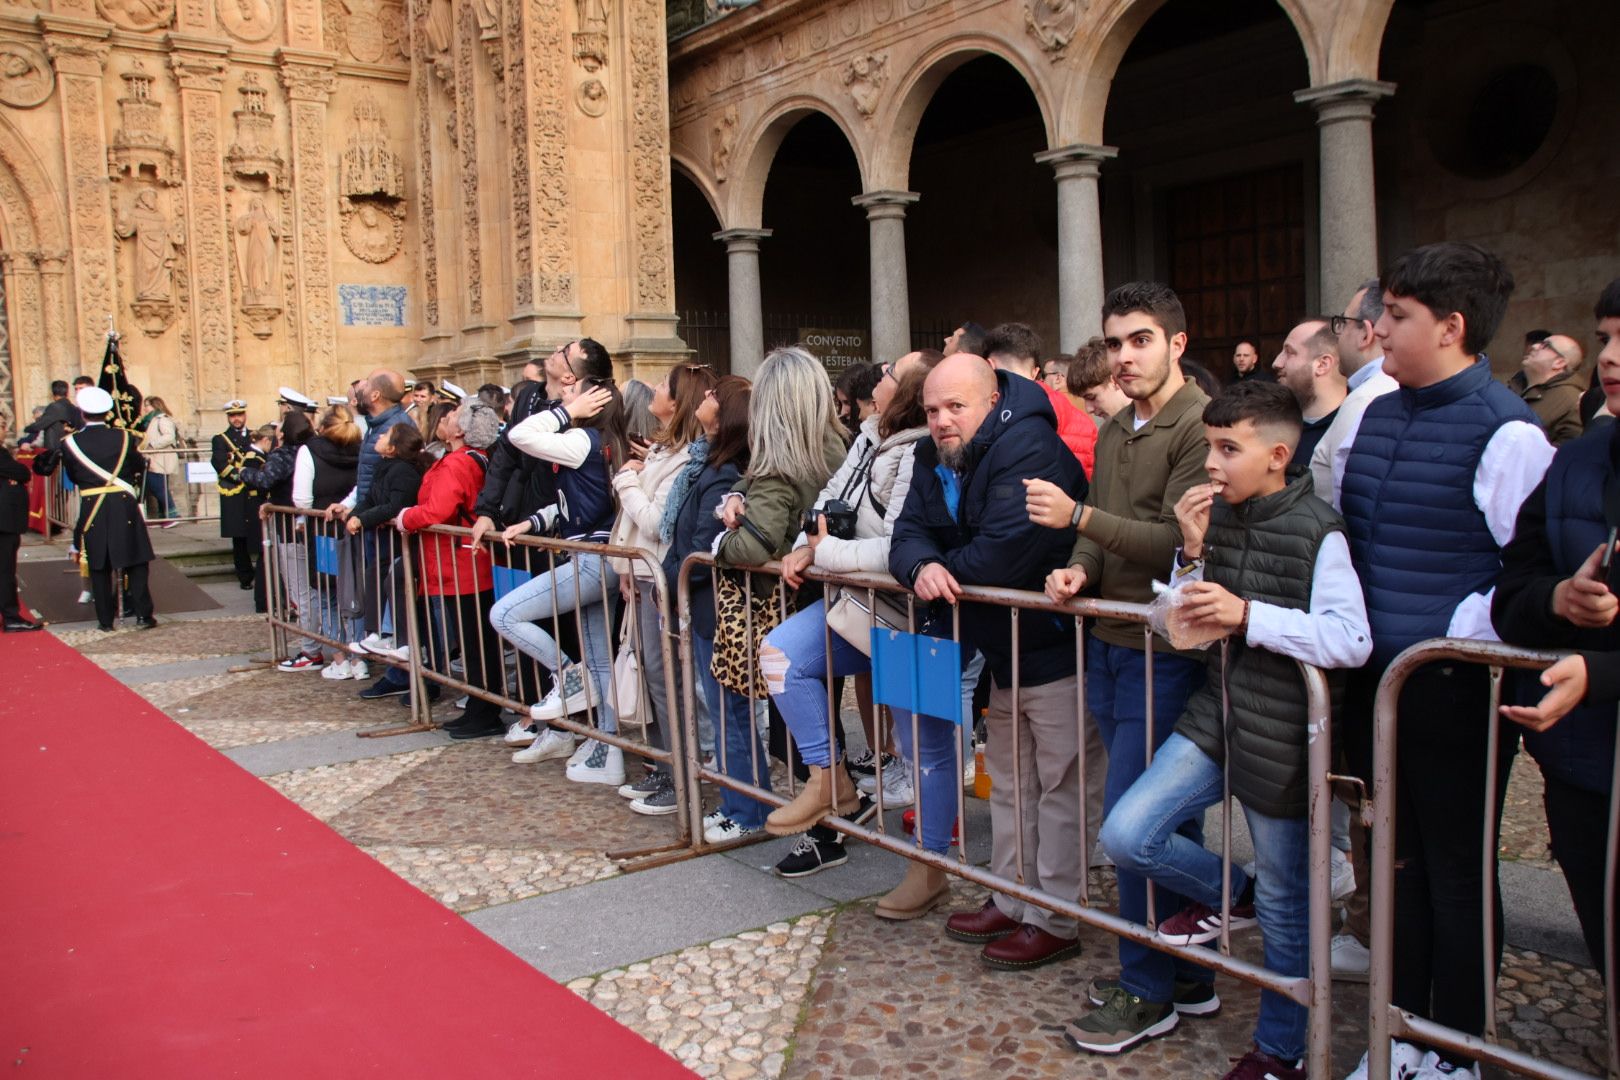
1372 487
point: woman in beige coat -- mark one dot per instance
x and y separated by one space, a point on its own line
161 433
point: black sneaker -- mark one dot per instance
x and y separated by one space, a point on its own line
383 688
866 764
811 856
660 801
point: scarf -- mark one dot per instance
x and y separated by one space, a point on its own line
697 452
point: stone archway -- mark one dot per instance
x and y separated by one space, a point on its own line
34 264
757 150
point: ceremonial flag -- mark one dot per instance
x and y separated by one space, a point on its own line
126 404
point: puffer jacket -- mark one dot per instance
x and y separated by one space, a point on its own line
447 497
874 479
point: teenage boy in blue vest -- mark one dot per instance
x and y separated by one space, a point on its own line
1265 561
1558 590
1432 485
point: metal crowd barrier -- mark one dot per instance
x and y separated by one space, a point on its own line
195 502
1384 1019
390 570
1314 991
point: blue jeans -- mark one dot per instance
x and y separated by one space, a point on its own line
935 758
1116 685
797 681
157 487
576 585
708 689
1141 835
743 758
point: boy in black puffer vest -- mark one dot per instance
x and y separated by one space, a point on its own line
1268 564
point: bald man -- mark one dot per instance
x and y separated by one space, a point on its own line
1551 389
963 523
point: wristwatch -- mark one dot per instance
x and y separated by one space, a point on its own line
1074 518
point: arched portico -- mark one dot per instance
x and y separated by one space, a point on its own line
33 262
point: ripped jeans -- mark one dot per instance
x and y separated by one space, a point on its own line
794 659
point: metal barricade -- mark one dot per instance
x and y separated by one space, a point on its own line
1384 1019
1313 991
191 501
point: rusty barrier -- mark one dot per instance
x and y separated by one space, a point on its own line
165 499
427 597
1385 1020
1314 991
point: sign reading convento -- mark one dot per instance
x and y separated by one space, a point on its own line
837 349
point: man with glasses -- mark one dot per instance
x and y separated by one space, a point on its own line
1361 362
1551 389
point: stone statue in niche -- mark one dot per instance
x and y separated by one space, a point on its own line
1053 23
488 14
865 76
721 138
260 234
369 166
25 75
157 244
438 37
591 40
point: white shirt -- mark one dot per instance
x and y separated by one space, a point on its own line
1333 449
1334 632
538 436
303 489
1512 465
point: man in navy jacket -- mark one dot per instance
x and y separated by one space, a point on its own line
964 523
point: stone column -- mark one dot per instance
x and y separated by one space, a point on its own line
891 302
78 52
1349 211
199 71
58 331
309 81
1080 254
747 315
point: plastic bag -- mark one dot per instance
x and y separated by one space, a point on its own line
1165 615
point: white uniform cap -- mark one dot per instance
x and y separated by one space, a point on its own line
293 397
452 391
95 401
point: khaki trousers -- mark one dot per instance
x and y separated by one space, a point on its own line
1047 731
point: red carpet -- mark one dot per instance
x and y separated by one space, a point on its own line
165 914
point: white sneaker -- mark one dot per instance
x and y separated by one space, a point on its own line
1344 874
725 830
337 669
1432 1068
1351 960
384 646
521 734
582 751
371 643
1404 1062
579 690
711 819
551 744
897 786
461 702
358 670
85 597
605 765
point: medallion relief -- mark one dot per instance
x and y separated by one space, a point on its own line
25 75
137 14
248 20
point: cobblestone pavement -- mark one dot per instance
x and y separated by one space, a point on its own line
726 1009
834 993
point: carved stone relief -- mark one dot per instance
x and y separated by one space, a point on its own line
137 14
87 196
553 208
157 246
517 128
865 75
722 137
373 232
140 150
421 14
1053 23
467 145
201 81
257 264
308 89
371 186
650 149
248 20
591 97
591 40
25 75
253 160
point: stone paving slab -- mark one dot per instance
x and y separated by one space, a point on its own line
469 877
636 916
137 670
328 790
337 747
175 638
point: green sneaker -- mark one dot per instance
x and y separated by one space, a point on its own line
1119 1023
1191 998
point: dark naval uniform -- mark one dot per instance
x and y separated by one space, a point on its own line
112 531
14 479
238 503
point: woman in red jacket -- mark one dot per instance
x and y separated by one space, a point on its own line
454 577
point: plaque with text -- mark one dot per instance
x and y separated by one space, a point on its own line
372 305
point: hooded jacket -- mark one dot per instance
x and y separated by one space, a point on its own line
989 539
874 479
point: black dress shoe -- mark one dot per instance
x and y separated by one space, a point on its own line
245 585
145 624
478 729
22 626
105 628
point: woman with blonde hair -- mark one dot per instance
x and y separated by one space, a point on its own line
159 432
795 444
323 473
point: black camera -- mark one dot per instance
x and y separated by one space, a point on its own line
840 519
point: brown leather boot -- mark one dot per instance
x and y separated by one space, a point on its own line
813 800
918 893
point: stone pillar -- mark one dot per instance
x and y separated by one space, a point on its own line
309 81
1349 210
58 331
78 52
1080 253
891 302
747 315
199 71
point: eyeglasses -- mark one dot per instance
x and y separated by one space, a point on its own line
888 372
1337 323
1548 345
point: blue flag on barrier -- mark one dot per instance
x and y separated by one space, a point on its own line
508 578
917 673
326 555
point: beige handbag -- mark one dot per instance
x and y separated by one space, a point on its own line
630 697
851 615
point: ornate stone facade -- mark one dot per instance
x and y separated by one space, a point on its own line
295 192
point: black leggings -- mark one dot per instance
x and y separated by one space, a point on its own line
1578 821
